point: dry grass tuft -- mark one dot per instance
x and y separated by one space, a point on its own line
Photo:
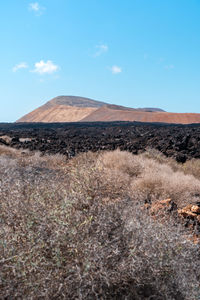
10 152
121 162
192 167
159 182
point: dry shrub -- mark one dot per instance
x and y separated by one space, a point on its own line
159 182
106 175
145 179
36 158
39 160
159 157
10 152
122 162
61 240
192 167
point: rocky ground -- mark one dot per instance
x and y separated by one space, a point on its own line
178 141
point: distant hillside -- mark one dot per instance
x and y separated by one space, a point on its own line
75 109
106 114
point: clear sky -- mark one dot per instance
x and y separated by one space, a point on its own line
137 53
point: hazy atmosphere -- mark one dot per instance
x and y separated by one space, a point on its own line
137 53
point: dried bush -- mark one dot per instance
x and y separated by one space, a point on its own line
159 182
77 230
10 152
192 167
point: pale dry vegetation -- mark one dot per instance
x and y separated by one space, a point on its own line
191 167
9 152
78 229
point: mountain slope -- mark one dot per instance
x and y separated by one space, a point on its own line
57 113
106 114
76 109
63 109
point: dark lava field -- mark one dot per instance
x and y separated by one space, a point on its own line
179 141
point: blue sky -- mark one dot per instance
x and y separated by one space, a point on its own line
138 53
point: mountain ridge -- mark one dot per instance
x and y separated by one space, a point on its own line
74 101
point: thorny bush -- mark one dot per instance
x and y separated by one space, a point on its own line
78 230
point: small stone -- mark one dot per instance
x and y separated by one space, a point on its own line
195 209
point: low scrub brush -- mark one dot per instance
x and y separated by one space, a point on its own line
79 230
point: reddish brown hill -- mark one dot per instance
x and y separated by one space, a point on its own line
106 114
75 109
57 113
63 109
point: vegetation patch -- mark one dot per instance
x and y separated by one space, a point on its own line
90 227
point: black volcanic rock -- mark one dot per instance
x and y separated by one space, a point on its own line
181 142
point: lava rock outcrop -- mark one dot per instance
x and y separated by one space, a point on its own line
179 141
